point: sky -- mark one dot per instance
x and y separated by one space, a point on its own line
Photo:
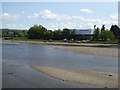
59 15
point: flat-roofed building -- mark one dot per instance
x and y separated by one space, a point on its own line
83 34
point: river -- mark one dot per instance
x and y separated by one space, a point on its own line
23 54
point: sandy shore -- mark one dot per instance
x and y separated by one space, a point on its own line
90 50
102 79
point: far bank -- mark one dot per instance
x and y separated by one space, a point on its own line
82 48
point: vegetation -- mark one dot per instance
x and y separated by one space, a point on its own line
116 31
96 34
10 33
103 34
38 32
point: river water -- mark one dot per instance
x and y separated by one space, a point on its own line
36 54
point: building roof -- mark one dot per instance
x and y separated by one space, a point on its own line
82 31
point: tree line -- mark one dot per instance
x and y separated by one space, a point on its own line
40 32
103 34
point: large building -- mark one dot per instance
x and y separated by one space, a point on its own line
83 34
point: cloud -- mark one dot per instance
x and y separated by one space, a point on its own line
10 25
61 25
15 26
85 22
49 15
114 16
86 10
35 15
6 16
90 22
74 21
23 12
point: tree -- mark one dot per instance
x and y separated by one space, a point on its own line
57 34
110 35
66 33
96 34
106 35
15 33
103 35
36 32
116 31
48 34
24 33
72 33
103 27
94 27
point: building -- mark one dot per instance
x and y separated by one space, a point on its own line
83 34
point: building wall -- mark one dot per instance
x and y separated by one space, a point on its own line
83 34
83 31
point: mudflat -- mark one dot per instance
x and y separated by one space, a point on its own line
102 79
113 52
82 48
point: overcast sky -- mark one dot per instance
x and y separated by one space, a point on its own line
59 15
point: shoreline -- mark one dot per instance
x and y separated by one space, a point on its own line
102 79
112 52
66 43
81 48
